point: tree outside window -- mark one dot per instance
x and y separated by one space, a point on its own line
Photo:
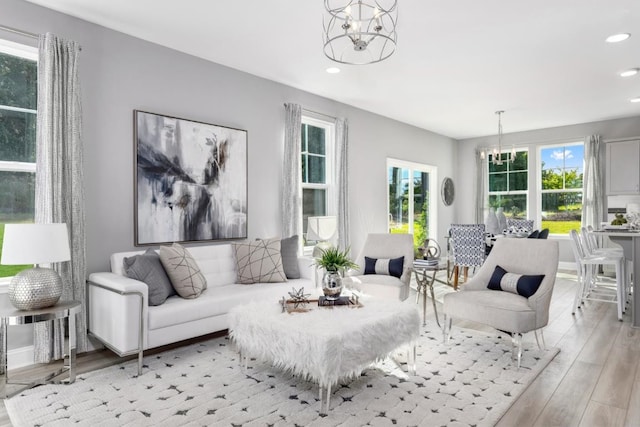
561 179
509 185
18 103
410 188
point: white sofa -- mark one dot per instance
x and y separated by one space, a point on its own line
120 317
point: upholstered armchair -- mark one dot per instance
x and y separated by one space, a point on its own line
383 248
506 309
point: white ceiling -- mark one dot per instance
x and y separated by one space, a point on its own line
544 62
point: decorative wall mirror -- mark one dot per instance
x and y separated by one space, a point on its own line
448 191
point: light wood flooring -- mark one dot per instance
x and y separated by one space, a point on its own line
593 381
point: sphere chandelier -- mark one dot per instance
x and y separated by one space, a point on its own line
360 32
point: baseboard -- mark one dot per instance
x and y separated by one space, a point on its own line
563 265
20 357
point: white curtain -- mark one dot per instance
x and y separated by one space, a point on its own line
292 173
342 181
482 177
59 179
593 193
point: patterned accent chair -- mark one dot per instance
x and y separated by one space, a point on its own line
527 224
468 242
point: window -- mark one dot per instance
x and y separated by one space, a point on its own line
562 168
18 88
509 185
317 169
412 199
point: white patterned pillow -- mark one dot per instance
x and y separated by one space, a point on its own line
183 271
259 262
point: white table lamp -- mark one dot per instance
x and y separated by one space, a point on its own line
36 287
321 229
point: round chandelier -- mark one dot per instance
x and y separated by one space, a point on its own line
360 32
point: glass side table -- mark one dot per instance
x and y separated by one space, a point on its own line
425 278
11 316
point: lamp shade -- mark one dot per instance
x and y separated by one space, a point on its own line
321 228
35 244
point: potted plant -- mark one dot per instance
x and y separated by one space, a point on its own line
334 262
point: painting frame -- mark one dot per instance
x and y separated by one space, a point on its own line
190 180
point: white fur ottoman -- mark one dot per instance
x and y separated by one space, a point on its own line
325 344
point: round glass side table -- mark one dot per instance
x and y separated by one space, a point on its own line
425 278
11 316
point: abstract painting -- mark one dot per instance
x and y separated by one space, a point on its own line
190 180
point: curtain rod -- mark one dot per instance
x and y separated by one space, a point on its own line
306 110
18 32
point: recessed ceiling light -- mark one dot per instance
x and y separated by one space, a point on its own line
636 99
630 72
333 70
618 37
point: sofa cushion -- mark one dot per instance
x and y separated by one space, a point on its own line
183 271
520 284
217 301
389 267
259 262
148 268
501 310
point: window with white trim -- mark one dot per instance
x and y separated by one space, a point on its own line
509 184
317 149
561 180
18 105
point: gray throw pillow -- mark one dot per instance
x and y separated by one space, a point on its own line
289 251
148 269
182 269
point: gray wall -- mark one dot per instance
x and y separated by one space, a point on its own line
120 73
609 130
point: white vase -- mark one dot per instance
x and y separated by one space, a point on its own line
502 220
491 222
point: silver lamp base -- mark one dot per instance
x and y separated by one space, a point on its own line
35 288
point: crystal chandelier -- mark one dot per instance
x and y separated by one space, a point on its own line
496 158
360 31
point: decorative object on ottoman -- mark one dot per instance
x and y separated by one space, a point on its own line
334 262
502 219
36 287
298 297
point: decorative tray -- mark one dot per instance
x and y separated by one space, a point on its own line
293 306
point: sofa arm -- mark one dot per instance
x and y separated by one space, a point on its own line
117 312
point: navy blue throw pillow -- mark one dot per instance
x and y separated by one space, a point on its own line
519 284
390 267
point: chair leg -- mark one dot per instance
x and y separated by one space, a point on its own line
516 352
620 289
446 329
466 274
456 272
540 339
578 298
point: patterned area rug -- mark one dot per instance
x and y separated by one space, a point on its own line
471 382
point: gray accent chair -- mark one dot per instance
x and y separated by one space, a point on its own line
505 311
383 246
